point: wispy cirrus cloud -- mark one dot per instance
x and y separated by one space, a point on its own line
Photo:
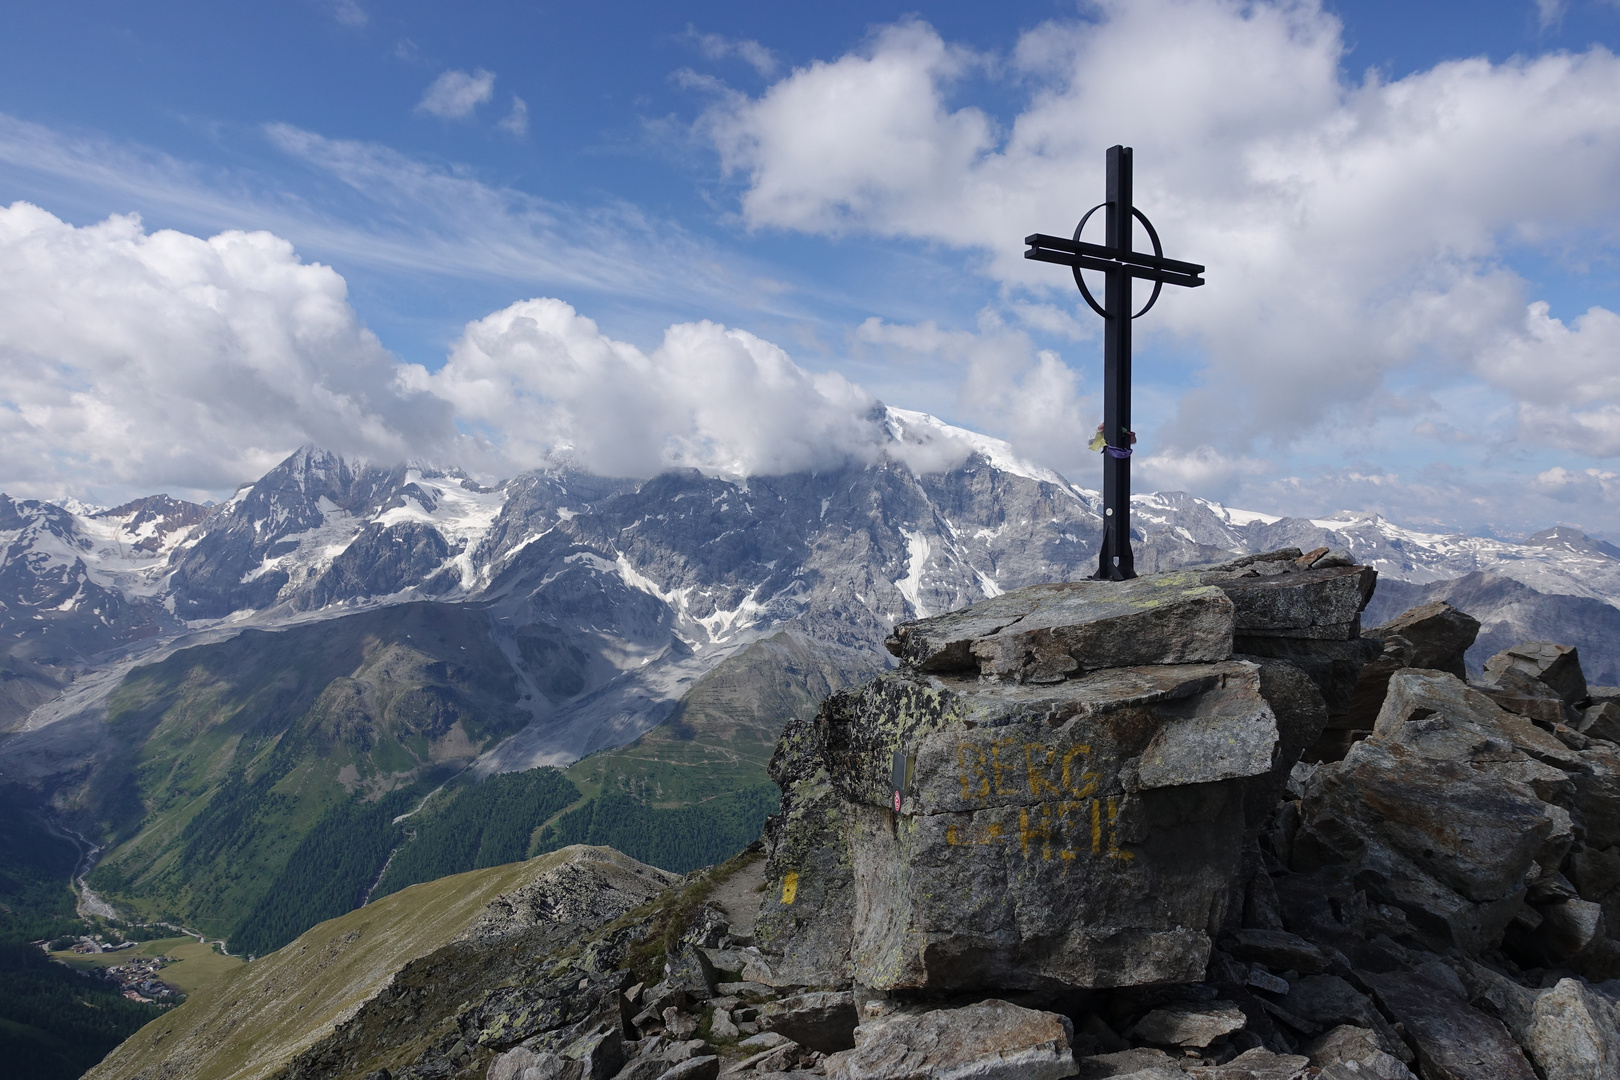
364 204
751 52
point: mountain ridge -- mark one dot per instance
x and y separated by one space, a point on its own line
653 635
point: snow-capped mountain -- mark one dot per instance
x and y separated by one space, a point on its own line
611 597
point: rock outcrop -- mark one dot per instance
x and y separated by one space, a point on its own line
1085 830
1055 788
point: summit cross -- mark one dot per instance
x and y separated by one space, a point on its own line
1119 263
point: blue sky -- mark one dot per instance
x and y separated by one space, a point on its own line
760 218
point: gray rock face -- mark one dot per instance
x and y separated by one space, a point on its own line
1454 1041
991 1040
806 916
1275 597
1065 821
1189 1025
1082 833
1574 1033
823 1021
1438 634
383 559
1558 667
1444 803
1354 1053
1047 633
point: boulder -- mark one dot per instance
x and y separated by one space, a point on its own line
1276 949
1306 613
1336 667
679 1024
1564 932
1276 598
1360 1047
821 1020
597 1055
688 970
1437 635
520 1063
1142 1063
1574 1034
1601 720
706 1067
1083 833
1188 1025
1519 693
808 910
1046 633
1434 636
1596 779
990 1040
721 1026
1332 1002
1454 1040
1441 807
1557 667
1596 876
1256 1064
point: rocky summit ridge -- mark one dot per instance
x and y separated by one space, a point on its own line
1203 824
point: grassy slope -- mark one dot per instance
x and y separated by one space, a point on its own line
238 751
253 1019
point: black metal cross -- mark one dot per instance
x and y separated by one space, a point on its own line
1119 264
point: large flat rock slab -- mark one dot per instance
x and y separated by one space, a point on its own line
1083 833
1047 633
1278 599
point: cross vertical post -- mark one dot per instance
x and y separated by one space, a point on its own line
1119 262
1115 562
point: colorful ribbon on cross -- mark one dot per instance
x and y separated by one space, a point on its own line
1099 442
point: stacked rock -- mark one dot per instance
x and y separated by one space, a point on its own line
1054 788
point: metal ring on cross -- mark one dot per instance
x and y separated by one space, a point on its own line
1158 252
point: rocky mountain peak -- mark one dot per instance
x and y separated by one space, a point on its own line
152 524
1564 538
1086 829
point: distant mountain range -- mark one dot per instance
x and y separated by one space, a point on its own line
203 687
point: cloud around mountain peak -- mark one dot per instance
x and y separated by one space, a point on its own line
133 361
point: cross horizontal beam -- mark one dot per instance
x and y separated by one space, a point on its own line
1066 252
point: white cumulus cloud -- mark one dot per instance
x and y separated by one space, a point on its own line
134 361
1356 229
538 379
